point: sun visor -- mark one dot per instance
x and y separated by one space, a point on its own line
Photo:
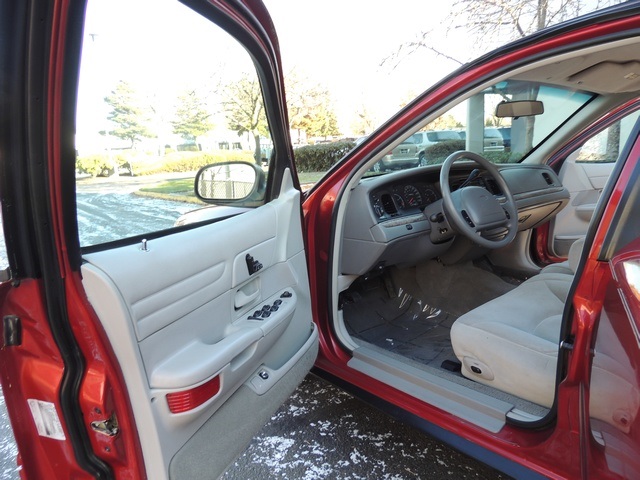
609 76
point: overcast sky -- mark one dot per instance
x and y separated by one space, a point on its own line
342 43
163 48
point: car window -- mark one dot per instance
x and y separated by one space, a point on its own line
474 126
415 139
441 136
605 146
157 100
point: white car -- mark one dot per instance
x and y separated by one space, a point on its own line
411 152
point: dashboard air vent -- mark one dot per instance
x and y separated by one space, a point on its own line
388 205
492 186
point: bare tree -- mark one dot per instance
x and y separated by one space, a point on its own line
488 21
242 102
364 122
512 19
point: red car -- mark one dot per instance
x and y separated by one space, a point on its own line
491 299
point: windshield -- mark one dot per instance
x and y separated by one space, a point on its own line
474 126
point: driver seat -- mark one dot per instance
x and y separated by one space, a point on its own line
511 343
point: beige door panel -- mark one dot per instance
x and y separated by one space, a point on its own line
585 181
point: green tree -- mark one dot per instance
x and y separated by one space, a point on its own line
191 117
244 108
324 122
130 113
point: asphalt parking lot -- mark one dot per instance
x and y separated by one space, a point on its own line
322 432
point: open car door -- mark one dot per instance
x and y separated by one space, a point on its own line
138 341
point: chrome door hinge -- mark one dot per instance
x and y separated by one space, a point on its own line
11 331
107 427
567 344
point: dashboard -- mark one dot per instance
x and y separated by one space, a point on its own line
409 197
385 223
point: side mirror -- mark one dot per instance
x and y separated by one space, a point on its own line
237 183
519 108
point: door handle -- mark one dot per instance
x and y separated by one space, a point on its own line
247 294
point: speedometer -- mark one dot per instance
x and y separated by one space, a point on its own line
430 196
412 196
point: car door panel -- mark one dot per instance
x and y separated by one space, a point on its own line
585 173
585 181
180 317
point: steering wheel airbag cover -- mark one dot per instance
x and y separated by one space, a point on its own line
483 208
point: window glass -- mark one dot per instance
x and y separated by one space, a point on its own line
605 146
473 125
163 92
415 138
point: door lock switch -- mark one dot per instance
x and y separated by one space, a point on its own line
253 265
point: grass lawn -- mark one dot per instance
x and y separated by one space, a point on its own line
179 189
310 177
183 187
179 186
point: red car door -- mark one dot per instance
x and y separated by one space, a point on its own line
613 296
159 352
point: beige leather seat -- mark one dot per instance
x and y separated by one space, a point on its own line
511 343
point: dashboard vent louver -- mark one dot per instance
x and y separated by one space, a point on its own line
388 205
492 186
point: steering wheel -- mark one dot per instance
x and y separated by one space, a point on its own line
475 212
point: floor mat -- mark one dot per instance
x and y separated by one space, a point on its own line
405 324
409 311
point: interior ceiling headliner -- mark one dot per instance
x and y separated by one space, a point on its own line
603 70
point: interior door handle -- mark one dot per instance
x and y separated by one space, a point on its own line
247 294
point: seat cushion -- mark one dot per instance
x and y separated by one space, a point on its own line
511 342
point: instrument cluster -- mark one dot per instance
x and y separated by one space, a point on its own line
402 199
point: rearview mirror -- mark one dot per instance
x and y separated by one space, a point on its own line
519 108
229 183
